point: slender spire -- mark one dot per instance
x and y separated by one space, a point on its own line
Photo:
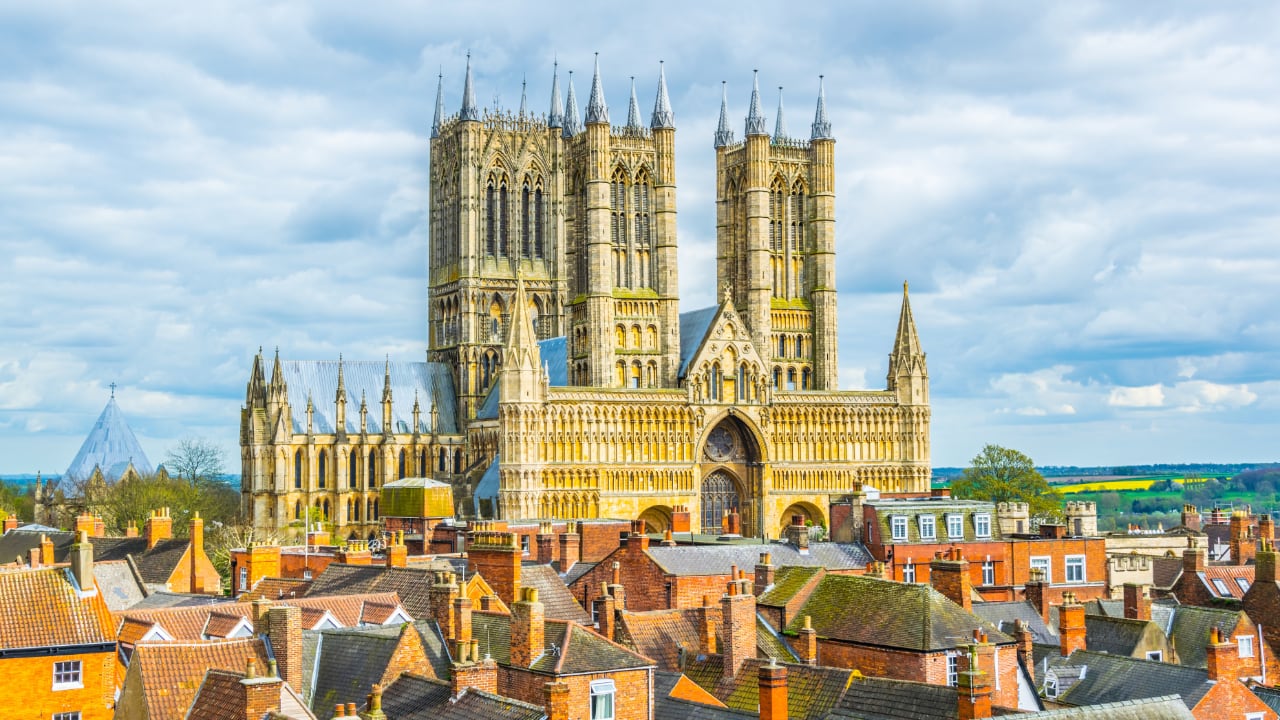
386 382
633 109
435 123
597 110
572 125
724 136
522 335
662 115
906 342
524 103
755 118
469 111
555 118
342 385
277 373
779 125
821 125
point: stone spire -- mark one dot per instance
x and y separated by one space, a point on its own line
662 115
257 390
342 385
469 110
633 109
755 118
906 342
524 102
779 125
724 136
386 382
572 125
821 125
555 118
908 374
435 123
522 336
597 110
522 377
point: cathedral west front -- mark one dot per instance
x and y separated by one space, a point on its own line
561 377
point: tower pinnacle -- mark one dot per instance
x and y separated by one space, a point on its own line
435 122
906 342
662 115
555 118
724 135
469 111
821 125
633 109
524 103
597 109
572 125
780 125
755 118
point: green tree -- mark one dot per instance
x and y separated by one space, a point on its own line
1000 474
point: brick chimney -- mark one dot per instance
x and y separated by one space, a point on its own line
284 630
1266 527
1190 517
195 552
556 700
462 620
605 610
397 553
1220 656
706 628
1264 564
81 559
319 537
773 691
46 549
440 596
738 613
132 530
1035 593
949 575
471 670
496 555
1137 601
875 569
528 629
1239 538
570 549
973 691
1071 632
11 522
1026 645
638 540
798 534
807 643
84 521
159 526
258 610
1194 560
765 570
546 542
261 692
681 519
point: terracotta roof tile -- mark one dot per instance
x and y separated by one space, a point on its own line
570 648
559 603
1227 580
662 635
188 623
811 691
40 607
220 696
171 673
273 588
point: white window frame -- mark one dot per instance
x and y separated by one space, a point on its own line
1221 586
897 522
1077 561
1243 583
982 525
73 715
1244 643
244 578
1044 562
928 525
955 526
953 668
1051 686
988 572
68 675
603 689
1155 655
1254 716
909 571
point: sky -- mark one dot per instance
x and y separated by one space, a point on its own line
1082 195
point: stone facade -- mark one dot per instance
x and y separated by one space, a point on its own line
577 387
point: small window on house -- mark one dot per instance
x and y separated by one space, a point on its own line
244 578
1075 568
989 572
66 675
982 525
1245 643
928 527
953 669
1221 586
524 544
955 525
909 572
1247 716
1044 563
898 525
67 715
1051 686
1243 583
1155 655
602 693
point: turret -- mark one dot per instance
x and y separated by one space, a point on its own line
823 221
597 109
633 108
908 374
521 378
755 300
662 118
470 113
572 125
780 124
387 429
256 393
555 118
439 116
821 124
524 101
724 136
340 405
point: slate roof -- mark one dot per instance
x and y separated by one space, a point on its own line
874 698
171 673
812 691
342 666
1189 632
1160 708
411 584
111 446
275 588
164 599
872 611
1165 571
571 648
193 623
557 601
154 566
429 383
665 636
40 608
669 708
578 570
787 581
410 694
488 486
693 560
1116 635
693 328
1110 678
1270 696
1003 614
413 697
120 585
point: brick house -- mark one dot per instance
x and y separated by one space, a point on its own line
248 695
163 678
57 645
1208 585
1262 601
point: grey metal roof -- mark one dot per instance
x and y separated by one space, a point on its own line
876 698
110 445
718 559
430 384
487 488
693 328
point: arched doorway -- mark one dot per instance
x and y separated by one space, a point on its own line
719 496
657 518
808 513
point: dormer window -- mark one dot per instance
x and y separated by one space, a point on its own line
982 525
898 526
1051 686
928 527
955 526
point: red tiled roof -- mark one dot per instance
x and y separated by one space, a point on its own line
1224 580
171 673
376 613
660 635
221 625
274 588
188 623
40 607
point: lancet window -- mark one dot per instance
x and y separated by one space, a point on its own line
787 238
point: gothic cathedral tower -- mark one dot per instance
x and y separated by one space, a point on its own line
775 230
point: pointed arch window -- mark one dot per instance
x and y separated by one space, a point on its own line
642 232
351 471
457 461
402 465
714 384
504 224
323 469
297 510
539 249
441 460
373 470
742 382
297 469
526 221
491 216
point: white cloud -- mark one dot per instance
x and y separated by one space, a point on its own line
1138 397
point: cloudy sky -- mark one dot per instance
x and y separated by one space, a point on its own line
1083 196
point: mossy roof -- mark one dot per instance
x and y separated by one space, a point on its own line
787 581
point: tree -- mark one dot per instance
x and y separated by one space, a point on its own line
195 459
1000 474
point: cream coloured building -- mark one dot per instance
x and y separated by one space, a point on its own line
561 378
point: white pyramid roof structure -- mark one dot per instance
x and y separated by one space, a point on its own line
111 446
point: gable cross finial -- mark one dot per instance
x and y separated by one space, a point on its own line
113 389
726 293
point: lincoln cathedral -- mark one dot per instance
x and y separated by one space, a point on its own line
561 378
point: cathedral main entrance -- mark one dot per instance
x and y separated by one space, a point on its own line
730 477
719 496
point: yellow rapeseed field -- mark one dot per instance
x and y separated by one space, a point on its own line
1109 485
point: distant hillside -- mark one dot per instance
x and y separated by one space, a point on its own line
1181 469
